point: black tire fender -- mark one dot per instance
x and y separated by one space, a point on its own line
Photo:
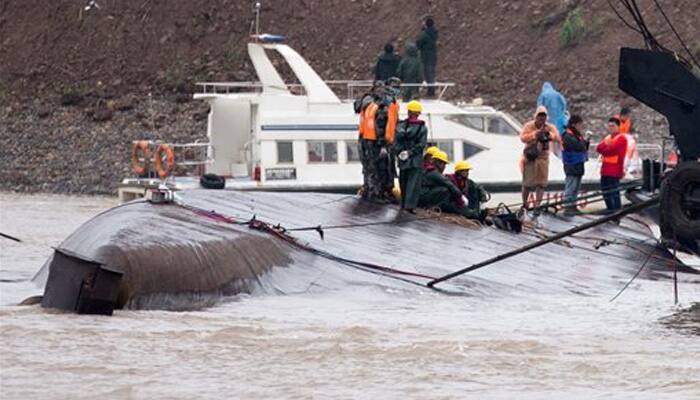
212 181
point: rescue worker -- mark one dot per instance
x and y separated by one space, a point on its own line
411 139
427 45
474 193
632 162
574 156
439 191
410 71
613 148
555 104
379 127
387 63
360 105
534 163
428 157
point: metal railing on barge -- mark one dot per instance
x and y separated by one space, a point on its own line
348 88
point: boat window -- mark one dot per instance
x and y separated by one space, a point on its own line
447 147
285 153
500 126
470 149
353 151
470 121
323 152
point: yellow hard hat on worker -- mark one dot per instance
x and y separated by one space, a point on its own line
462 166
441 156
414 106
431 150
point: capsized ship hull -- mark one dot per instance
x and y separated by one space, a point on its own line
141 255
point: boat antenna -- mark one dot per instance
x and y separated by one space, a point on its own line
255 24
257 17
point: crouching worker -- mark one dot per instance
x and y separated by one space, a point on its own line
411 139
475 194
428 157
439 191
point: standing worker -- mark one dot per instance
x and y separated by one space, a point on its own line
410 71
555 104
632 162
613 148
411 139
379 126
387 63
360 105
427 44
537 136
574 157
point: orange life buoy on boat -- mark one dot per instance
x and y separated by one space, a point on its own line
140 146
164 150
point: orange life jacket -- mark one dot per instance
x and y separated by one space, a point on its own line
368 127
390 132
625 124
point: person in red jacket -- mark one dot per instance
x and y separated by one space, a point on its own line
613 148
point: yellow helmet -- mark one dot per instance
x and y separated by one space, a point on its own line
414 106
441 156
462 165
432 150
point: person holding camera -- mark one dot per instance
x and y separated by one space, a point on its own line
538 136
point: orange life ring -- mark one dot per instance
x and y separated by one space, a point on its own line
140 146
164 172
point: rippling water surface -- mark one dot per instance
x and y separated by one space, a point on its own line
359 342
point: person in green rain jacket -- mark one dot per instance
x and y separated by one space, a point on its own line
411 139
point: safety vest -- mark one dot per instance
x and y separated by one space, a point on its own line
391 122
368 127
612 159
625 124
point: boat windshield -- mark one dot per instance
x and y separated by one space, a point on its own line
485 123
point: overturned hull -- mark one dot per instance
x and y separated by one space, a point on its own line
173 256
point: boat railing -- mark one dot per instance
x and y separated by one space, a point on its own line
352 89
348 89
196 154
243 87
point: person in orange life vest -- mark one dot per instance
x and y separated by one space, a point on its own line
613 148
534 162
380 119
632 162
360 105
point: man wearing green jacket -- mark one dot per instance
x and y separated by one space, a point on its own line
410 71
411 139
427 44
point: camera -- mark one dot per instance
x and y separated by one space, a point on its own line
544 136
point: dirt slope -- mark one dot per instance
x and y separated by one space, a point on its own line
109 59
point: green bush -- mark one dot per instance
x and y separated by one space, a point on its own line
573 29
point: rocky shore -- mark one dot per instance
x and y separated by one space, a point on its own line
75 84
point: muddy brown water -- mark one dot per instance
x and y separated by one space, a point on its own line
358 341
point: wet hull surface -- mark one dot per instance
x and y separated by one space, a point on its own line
174 258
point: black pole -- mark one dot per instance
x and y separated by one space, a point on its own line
10 237
617 215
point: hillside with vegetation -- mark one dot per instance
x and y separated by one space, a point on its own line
77 86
